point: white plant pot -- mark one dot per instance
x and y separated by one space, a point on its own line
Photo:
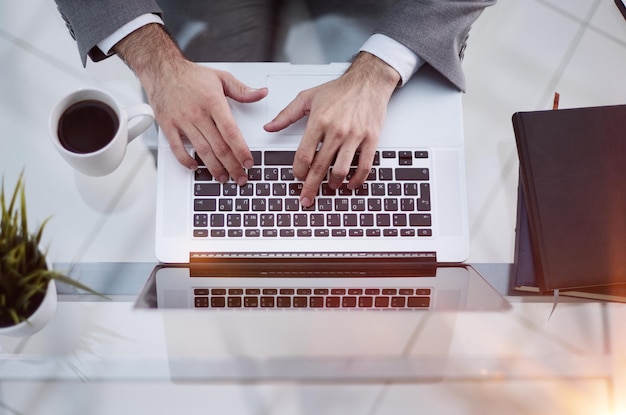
39 319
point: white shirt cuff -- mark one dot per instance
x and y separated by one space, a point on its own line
394 54
106 44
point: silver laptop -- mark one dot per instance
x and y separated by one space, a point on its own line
413 205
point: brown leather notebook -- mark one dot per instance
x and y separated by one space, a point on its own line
573 177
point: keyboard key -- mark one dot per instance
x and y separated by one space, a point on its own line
355 232
300 302
200 233
381 302
250 302
399 219
202 175
420 219
418 302
246 190
267 302
207 189
218 302
204 205
270 173
366 302
256 157
407 205
394 189
333 302
292 204
242 205
233 220
286 174
262 189
201 302
385 174
254 174
398 302
366 220
225 205
316 302
348 302
234 302
279 158
230 189
410 173
350 219
279 189
300 220
217 220
250 220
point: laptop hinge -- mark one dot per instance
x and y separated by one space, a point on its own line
425 257
310 263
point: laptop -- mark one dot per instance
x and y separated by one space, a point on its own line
413 205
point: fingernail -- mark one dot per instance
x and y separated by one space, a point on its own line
223 178
193 167
242 180
248 164
305 201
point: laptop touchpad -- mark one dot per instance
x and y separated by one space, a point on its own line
284 88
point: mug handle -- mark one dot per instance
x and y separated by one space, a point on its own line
140 116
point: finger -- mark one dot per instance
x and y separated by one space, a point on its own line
232 143
294 111
178 148
341 167
239 91
316 173
214 145
205 151
306 151
366 159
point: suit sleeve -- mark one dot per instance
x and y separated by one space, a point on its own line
90 21
435 30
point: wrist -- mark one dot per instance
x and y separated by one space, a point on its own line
375 69
151 53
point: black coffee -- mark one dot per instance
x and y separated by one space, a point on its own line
87 126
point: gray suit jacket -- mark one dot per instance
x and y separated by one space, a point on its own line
436 30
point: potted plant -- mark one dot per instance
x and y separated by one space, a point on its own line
27 283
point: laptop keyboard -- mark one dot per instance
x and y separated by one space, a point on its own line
316 298
394 202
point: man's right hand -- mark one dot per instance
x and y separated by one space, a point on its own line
189 101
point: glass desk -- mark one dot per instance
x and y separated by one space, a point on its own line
108 356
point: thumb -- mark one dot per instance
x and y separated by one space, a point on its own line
296 110
239 91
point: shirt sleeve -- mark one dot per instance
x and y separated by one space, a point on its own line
395 54
106 44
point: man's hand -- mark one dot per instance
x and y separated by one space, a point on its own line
345 115
189 101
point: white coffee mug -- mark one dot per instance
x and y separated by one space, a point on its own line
91 130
